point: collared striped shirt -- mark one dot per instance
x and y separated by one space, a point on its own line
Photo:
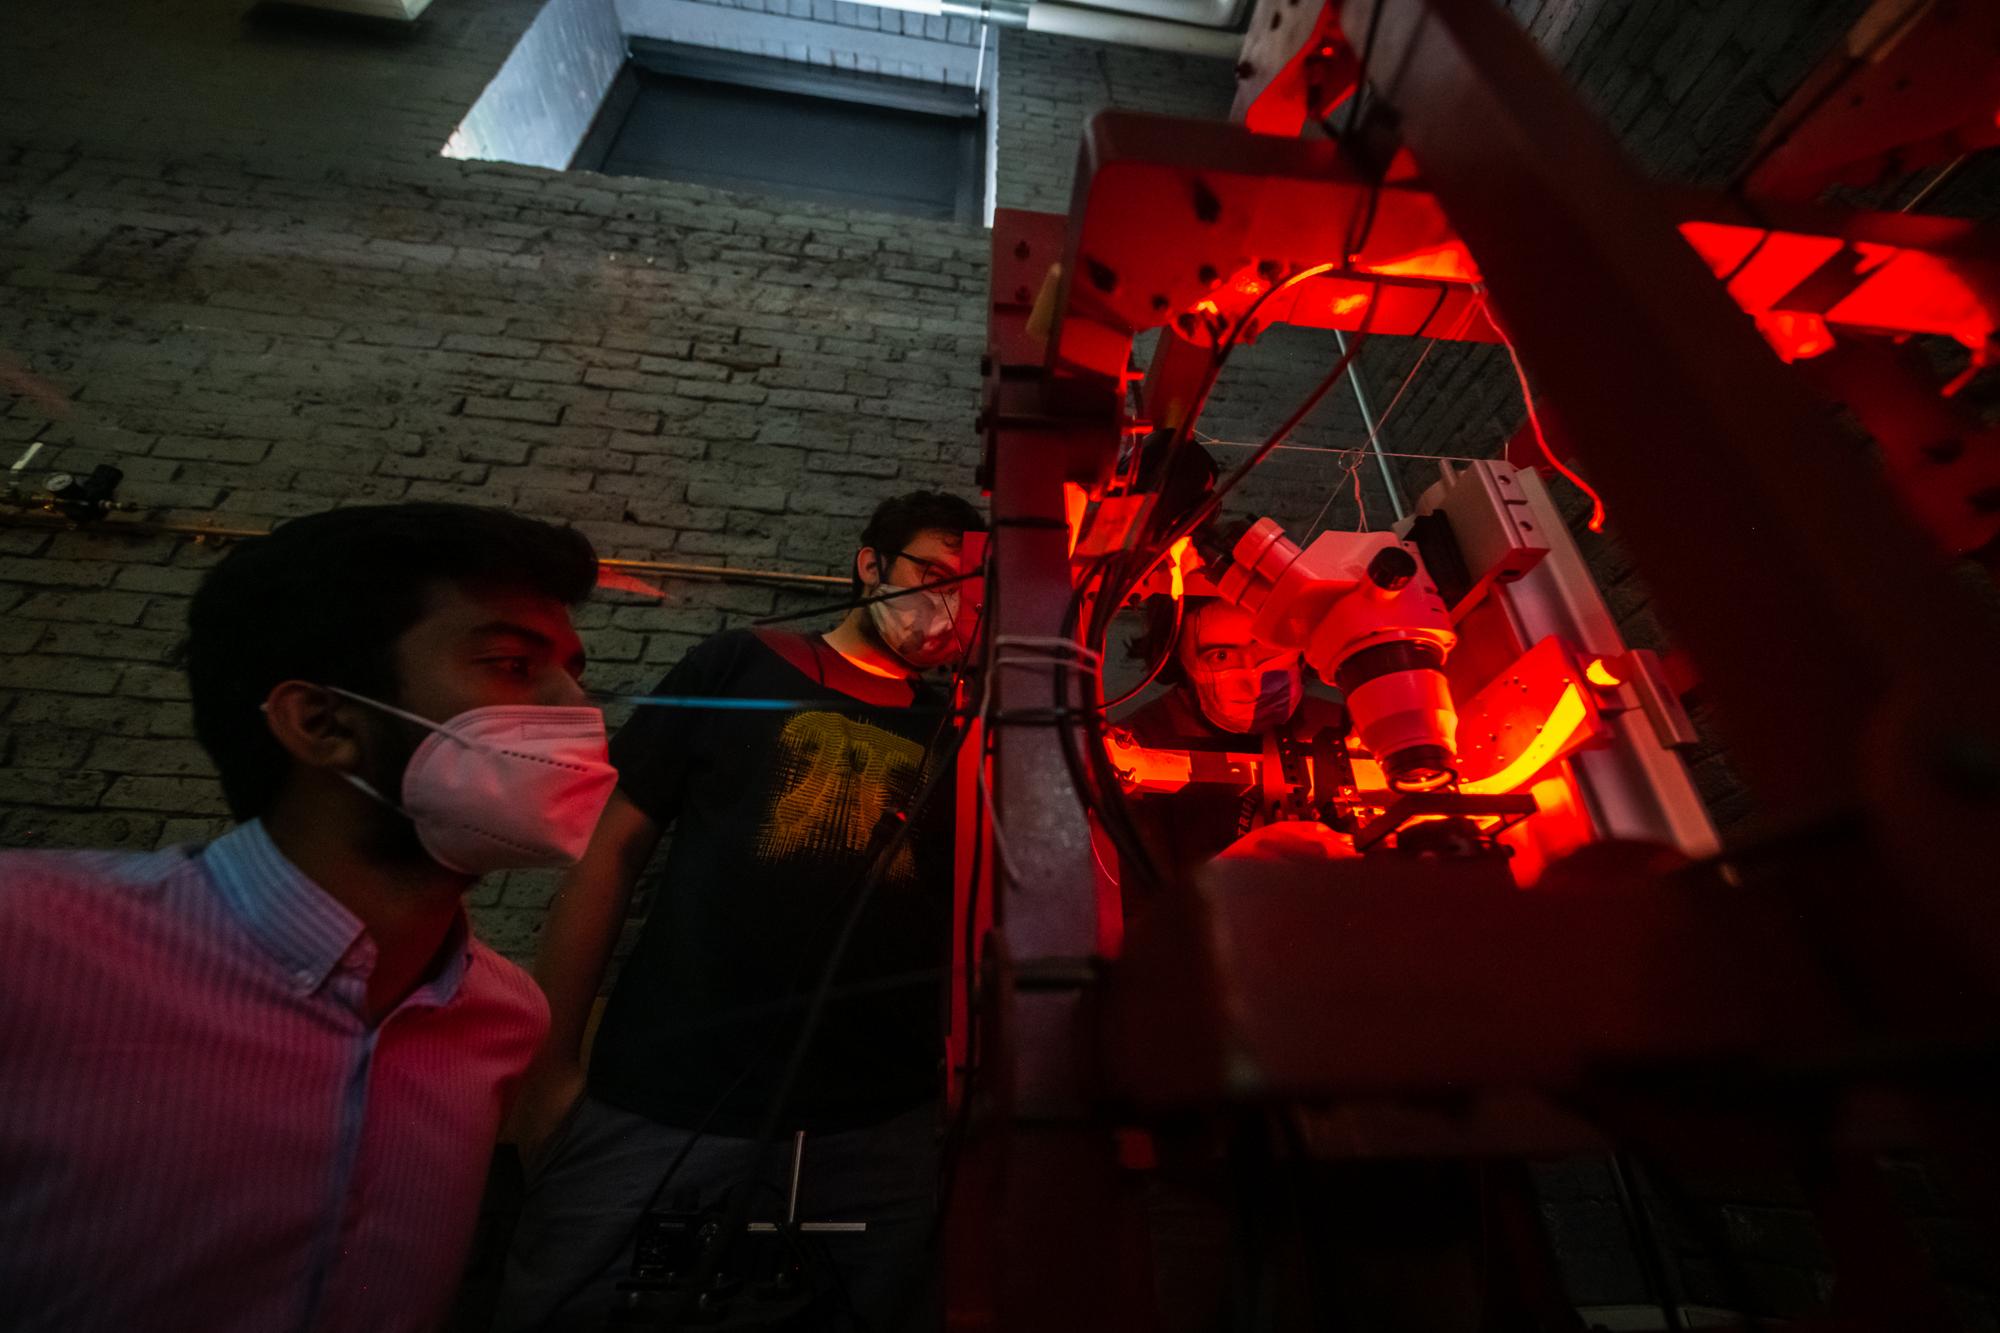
199 1129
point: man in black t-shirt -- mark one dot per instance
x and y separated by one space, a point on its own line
777 815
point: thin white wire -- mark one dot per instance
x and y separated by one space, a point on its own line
1359 449
1057 648
1367 448
1333 493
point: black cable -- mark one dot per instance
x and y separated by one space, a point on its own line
1351 245
1646 1244
1361 71
1089 767
851 603
1220 355
825 990
1083 775
735 1212
1092 774
736 1208
884 858
1207 510
1159 665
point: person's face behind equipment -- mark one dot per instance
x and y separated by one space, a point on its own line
1240 685
921 628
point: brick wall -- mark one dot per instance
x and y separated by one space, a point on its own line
233 263
1049 86
283 299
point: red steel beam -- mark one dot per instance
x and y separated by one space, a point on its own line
1850 671
1188 223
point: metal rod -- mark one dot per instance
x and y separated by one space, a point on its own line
213 532
798 1158
1935 183
1374 428
813 1228
728 573
1653 1265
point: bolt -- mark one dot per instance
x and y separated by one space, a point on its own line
1207 207
1209 277
1021 250
1245 70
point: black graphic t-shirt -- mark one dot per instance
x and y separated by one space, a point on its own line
776 816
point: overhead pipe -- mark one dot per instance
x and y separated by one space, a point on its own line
37 518
1097 25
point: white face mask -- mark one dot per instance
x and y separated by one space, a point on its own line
1248 701
506 787
917 625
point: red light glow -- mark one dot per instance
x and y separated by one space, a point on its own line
1450 262
1600 673
1795 337
1535 420
621 582
1565 720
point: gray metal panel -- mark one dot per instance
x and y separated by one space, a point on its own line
1637 788
847 82
699 23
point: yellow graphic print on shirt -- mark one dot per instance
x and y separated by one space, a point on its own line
835 780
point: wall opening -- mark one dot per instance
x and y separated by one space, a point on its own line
783 128
760 103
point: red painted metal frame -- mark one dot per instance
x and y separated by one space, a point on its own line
1852 673
1672 401
1041 431
1243 229
1226 213
1904 89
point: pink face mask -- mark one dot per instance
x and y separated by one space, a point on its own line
1249 700
507 787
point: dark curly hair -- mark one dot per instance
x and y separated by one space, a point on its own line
897 521
324 598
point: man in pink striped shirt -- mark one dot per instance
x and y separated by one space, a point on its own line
255 1085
